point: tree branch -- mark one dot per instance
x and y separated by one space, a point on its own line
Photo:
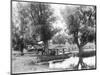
82 44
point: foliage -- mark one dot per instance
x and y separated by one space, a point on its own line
43 17
34 22
59 39
81 24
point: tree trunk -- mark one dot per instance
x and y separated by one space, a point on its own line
80 58
21 42
22 52
46 47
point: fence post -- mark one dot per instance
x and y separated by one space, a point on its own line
63 51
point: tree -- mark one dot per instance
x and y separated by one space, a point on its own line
59 39
42 17
23 19
81 25
21 25
35 19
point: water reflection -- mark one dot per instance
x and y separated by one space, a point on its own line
70 62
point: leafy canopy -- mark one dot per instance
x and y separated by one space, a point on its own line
81 24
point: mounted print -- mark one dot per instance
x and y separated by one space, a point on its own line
52 37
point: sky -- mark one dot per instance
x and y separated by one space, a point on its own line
57 12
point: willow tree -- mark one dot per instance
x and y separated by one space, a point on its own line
42 17
81 24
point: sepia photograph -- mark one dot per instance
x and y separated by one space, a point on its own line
52 37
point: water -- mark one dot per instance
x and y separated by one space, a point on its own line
72 61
